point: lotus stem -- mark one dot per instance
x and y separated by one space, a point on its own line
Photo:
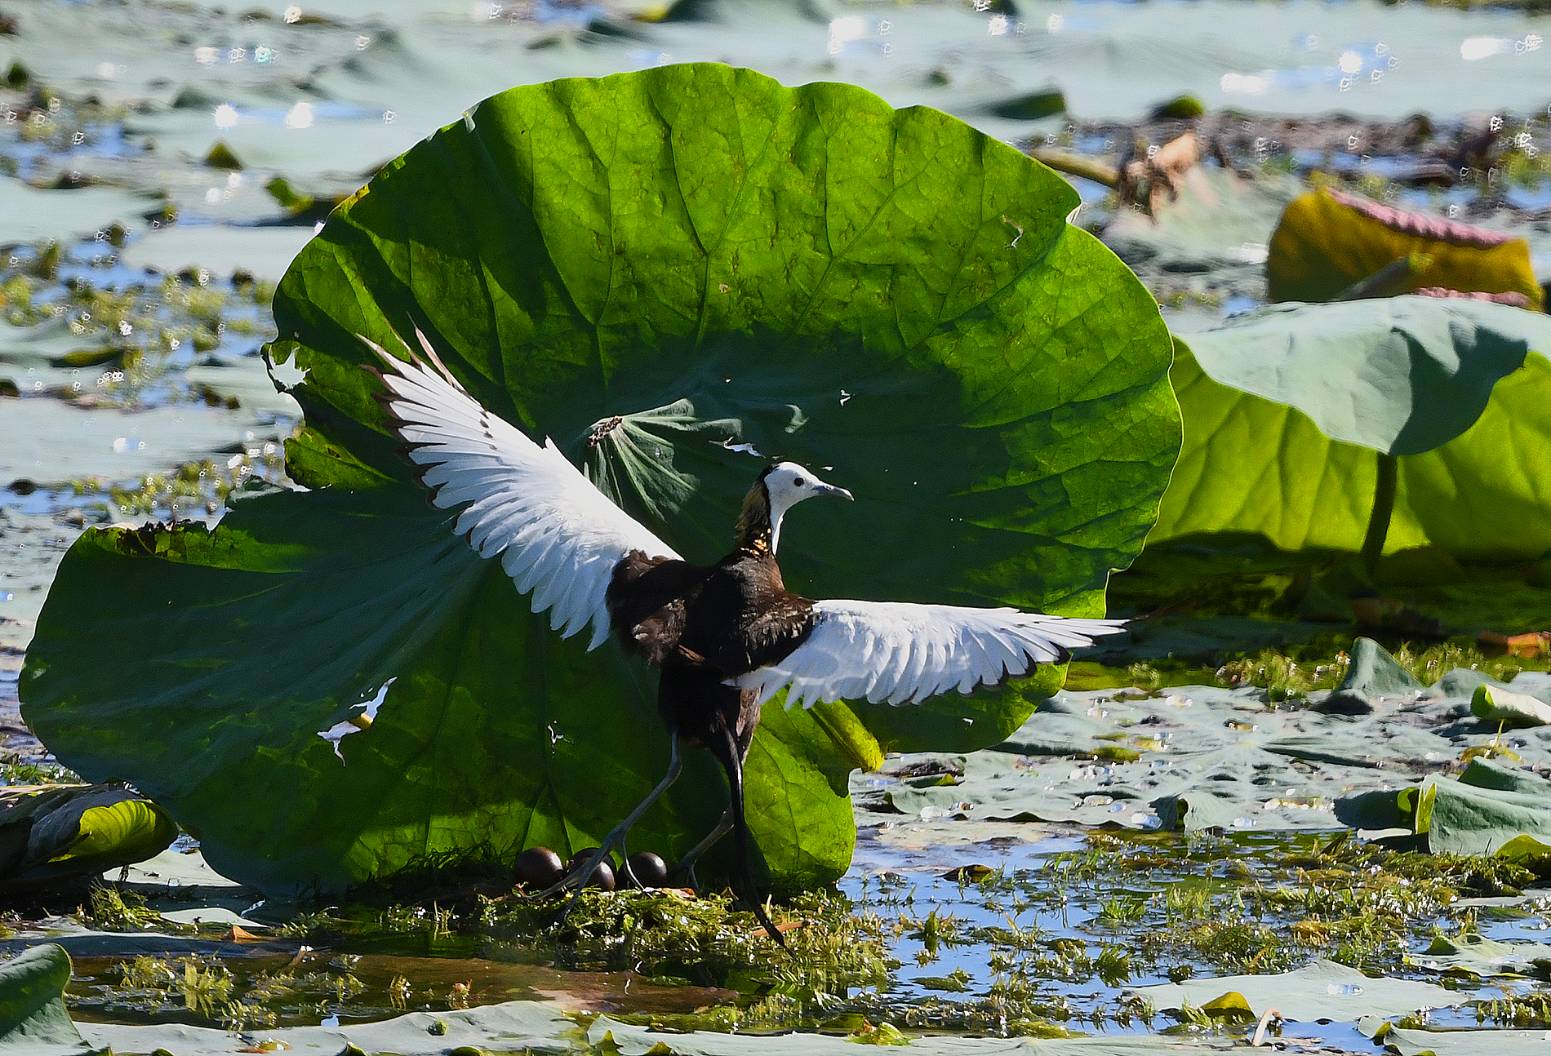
1266 1017
1074 164
1383 506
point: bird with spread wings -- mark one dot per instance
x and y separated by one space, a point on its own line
725 637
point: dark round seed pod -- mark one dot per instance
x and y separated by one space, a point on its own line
603 879
539 867
649 868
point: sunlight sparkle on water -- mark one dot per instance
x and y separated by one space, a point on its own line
845 30
225 116
1244 83
1474 49
299 116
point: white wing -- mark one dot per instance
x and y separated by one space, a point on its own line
559 537
903 653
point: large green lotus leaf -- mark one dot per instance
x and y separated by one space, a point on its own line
238 685
1328 240
717 261
33 1020
1285 407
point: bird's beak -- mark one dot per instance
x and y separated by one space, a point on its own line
841 493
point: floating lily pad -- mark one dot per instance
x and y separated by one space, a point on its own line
1322 990
262 251
512 1026
1408 1042
1482 956
1208 758
34 215
56 442
33 358
1488 809
630 1040
33 1020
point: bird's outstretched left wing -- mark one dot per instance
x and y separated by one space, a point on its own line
559 537
902 653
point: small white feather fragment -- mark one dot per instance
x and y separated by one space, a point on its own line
359 721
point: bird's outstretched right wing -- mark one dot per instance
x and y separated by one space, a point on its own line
901 653
558 536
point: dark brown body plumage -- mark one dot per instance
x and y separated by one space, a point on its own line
703 625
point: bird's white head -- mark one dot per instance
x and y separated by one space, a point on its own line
787 484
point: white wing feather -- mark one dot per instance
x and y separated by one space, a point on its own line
902 653
559 537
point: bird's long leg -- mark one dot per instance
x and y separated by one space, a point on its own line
686 865
743 870
616 836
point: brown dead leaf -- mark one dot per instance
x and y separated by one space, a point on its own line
1152 180
1393 616
1530 644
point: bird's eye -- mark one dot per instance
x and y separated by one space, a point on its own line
797 483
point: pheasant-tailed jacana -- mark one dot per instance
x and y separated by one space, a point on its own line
727 636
